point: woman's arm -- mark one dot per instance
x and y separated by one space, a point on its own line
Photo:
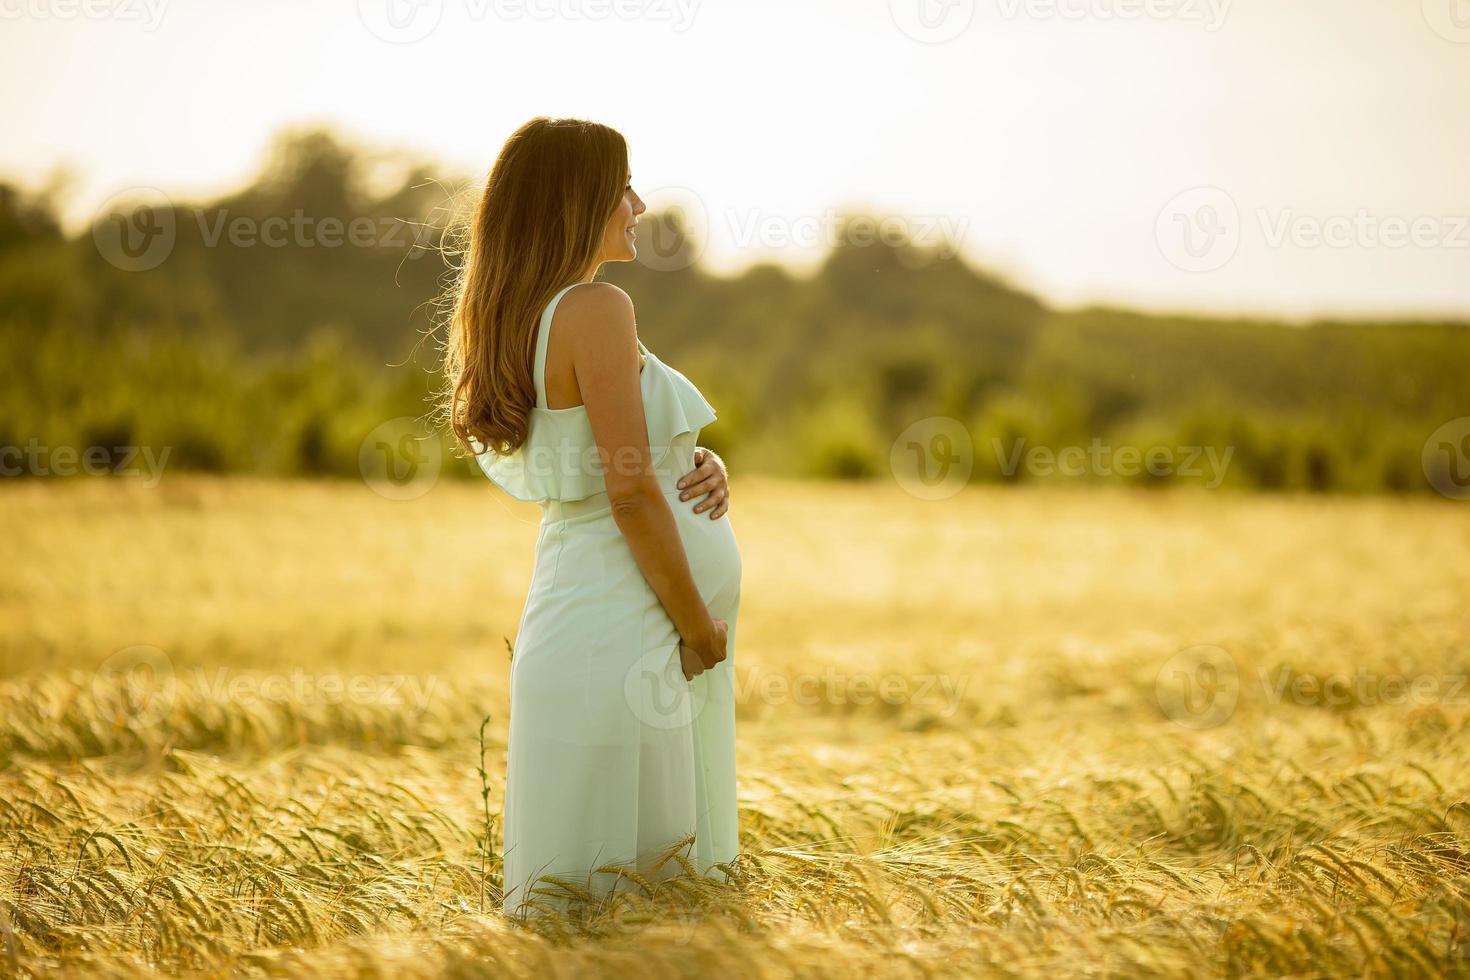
598 320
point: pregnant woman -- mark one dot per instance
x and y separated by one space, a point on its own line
622 714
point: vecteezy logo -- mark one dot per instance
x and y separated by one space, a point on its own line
932 458
400 459
658 694
1446 459
135 230
1199 230
932 21
400 21
673 234
135 687
1450 19
1198 687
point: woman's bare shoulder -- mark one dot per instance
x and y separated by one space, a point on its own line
597 317
595 300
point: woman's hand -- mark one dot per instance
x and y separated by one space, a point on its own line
699 656
707 478
689 661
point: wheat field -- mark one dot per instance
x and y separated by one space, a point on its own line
1011 733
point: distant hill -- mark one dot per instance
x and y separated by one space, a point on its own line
289 317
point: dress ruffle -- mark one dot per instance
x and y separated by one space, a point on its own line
559 459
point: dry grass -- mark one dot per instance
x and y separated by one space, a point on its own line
1019 805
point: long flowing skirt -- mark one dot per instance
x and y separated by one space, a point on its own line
614 759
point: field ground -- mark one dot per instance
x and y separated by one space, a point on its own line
1015 732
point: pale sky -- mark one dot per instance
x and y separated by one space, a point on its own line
1056 137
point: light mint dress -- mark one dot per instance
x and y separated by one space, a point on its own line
614 758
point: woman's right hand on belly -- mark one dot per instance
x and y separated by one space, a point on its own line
697 657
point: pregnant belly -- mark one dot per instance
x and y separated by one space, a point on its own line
714 555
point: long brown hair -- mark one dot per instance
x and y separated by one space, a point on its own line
538 227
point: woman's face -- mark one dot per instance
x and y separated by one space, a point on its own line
618 241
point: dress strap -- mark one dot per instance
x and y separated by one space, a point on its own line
543 336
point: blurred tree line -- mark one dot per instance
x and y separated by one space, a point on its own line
290 318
